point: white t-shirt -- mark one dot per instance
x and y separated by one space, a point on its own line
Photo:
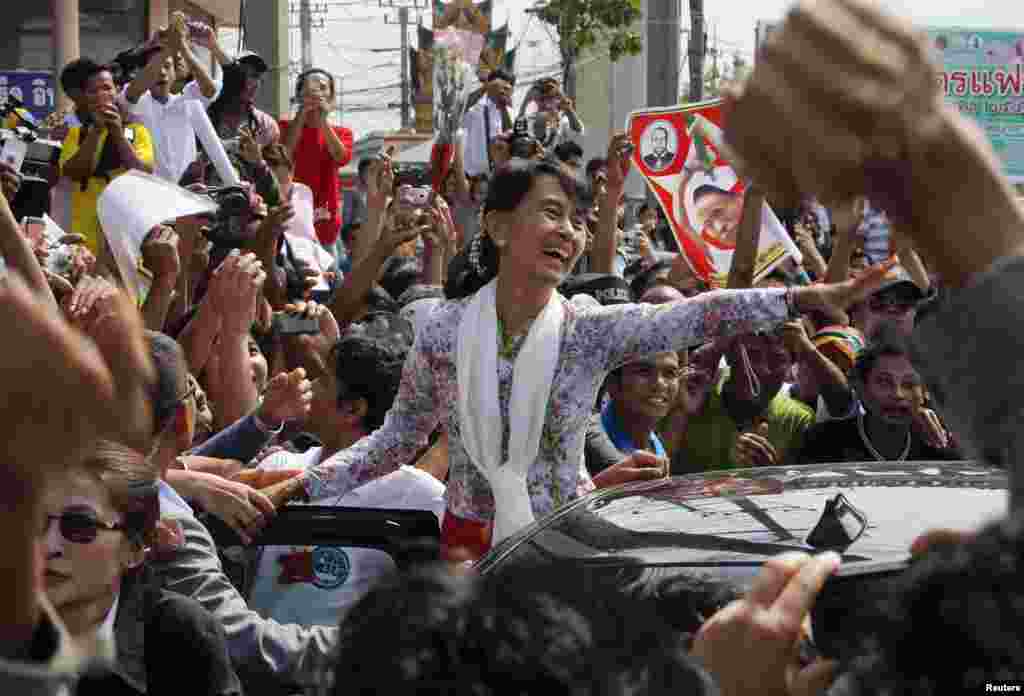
170 126
314 585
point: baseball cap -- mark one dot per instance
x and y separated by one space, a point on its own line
898 283
606 289
840 344
252 59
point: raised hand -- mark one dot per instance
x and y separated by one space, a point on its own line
286 398
91 298
639 466
239 292
753 448
854 106
57 381
764 627
380 180
619 161
10 181
160 252
837 297
241 507
249 149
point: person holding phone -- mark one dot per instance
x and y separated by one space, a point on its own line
100 150
168 116
319 150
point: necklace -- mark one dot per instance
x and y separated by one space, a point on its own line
871 448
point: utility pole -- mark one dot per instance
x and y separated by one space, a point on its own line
306 30
697 50
403 7
662 44
403 20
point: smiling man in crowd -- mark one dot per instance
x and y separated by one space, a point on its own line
642 393
888 426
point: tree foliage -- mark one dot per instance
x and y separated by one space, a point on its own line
583 24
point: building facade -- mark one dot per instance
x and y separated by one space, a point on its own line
46 36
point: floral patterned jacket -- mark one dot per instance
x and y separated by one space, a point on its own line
595 341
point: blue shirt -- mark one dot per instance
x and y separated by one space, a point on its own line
621 439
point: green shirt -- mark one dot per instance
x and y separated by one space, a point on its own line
711 434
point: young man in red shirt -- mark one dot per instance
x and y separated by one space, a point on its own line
319 150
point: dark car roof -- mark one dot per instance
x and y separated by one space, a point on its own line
727 523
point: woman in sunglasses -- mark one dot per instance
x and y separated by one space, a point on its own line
101 520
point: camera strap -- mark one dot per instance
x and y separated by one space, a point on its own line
487 136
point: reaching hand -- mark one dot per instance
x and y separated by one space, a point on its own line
838 297
241 291
275 223
929 426
754 449
639 466
244 509
10 181
750 646
819 146
286 398
311 350
249 149
92 297
56 380
619 162
794 336
160 253
380 180
393 236
264 478
847 217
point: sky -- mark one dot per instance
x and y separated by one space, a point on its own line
353 28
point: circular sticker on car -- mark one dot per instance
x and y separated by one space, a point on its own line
331 567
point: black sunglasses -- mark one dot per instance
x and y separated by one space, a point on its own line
81 527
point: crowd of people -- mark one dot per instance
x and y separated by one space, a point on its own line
488 348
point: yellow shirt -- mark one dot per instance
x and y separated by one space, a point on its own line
84 219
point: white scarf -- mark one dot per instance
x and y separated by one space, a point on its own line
480 415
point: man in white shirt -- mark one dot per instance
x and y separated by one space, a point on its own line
170 117
312 585
489 118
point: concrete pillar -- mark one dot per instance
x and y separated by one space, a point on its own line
66 40
662 43
266 29
159 15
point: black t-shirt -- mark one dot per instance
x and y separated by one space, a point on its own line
838 441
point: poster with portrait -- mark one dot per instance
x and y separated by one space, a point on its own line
678 151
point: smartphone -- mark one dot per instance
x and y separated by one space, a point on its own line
196 31
416 196
293 325
35 230
852 606
13 151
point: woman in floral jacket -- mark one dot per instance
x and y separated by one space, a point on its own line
511 369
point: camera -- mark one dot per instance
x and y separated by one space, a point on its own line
522 145
230 222
21 147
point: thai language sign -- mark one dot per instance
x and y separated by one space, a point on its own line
983 77
34 89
